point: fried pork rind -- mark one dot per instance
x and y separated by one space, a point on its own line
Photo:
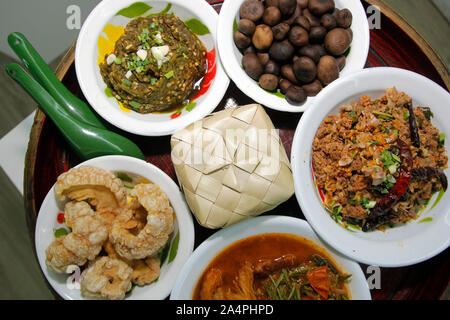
85 242
145 271
101 188
58 257
134 244
106 278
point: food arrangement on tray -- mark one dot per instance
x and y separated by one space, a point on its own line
371 157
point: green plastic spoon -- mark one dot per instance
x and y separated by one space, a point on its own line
87 141
45 76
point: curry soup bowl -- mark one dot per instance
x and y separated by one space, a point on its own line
205 253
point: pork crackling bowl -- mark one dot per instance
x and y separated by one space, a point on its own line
113 227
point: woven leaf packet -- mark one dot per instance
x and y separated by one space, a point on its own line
231 165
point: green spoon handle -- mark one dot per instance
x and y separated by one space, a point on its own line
45 76
87 141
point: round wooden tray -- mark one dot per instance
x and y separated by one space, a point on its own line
396 44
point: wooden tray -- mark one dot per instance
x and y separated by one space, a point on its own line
396 44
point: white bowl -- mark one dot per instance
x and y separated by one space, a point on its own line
400 246
47 222
208 250
231 57
93 86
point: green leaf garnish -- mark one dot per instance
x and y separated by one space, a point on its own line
135 10
197 27
135 104
174 248
124 177
60 232
165 10
169 74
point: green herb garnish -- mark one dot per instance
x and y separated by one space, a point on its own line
135 104
169 74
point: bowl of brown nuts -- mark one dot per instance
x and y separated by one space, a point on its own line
282 53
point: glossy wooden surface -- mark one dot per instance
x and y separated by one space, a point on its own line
395 44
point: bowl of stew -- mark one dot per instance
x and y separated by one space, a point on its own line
269 258
150 67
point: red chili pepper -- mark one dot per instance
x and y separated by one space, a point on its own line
380 213
60 218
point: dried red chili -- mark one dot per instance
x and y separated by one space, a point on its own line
380 213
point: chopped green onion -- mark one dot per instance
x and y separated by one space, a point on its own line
118 60
169 74
153 81
354 154
406 115
374 142
127 83
383 115
135 104
392 169
441 139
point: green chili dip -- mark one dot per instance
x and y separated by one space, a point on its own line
156 64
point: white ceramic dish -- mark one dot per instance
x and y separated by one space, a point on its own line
404 245
208 250
47 223
93 86
231 57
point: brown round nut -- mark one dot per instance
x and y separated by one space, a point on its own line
281 51
317 34
288 73
341 60
313 20
252 66
284 85
337 41
344 18
268 82
287 7
241 40
327 70
312 89
303 22
328 21
310 51
303 3
298 36
295 95
320 7
280 31
272 16
263 57
247 27
272 3
252 10
305 69
263 37
272 67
